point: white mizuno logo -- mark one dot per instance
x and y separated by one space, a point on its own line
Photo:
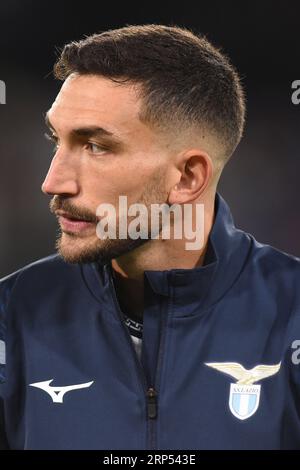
57 393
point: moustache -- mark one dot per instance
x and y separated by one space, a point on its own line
59 206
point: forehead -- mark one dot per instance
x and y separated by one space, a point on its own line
93 100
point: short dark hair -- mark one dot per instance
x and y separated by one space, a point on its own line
185 80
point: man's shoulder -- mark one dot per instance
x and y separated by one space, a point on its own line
47 269
273 264
268 254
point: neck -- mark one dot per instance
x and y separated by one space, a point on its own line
155 255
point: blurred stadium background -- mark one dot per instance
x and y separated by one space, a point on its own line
260 183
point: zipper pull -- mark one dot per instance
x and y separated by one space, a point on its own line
152 403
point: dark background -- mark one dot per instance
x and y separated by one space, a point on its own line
260 183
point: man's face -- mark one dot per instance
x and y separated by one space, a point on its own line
103 150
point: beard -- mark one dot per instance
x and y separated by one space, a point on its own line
75 248
100 251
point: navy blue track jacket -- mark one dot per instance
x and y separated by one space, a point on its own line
220 352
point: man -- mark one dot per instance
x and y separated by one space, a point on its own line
136 342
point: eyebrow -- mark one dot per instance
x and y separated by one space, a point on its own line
90 131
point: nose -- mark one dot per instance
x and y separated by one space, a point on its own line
62 176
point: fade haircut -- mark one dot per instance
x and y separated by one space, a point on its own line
185 82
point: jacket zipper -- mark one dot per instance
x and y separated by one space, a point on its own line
152 403
153 391
150 391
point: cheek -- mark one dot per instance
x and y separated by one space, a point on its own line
103 181
106 185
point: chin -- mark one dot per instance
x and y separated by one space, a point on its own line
78 250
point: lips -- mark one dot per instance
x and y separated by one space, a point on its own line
70 223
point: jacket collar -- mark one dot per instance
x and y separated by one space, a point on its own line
201 287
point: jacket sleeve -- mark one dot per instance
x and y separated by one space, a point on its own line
6 286
3 439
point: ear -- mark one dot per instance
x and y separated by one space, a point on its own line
196 170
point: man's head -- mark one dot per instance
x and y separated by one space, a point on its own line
151 112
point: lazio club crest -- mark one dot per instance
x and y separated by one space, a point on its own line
244 395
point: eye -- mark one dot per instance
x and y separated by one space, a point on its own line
95 148
53 138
